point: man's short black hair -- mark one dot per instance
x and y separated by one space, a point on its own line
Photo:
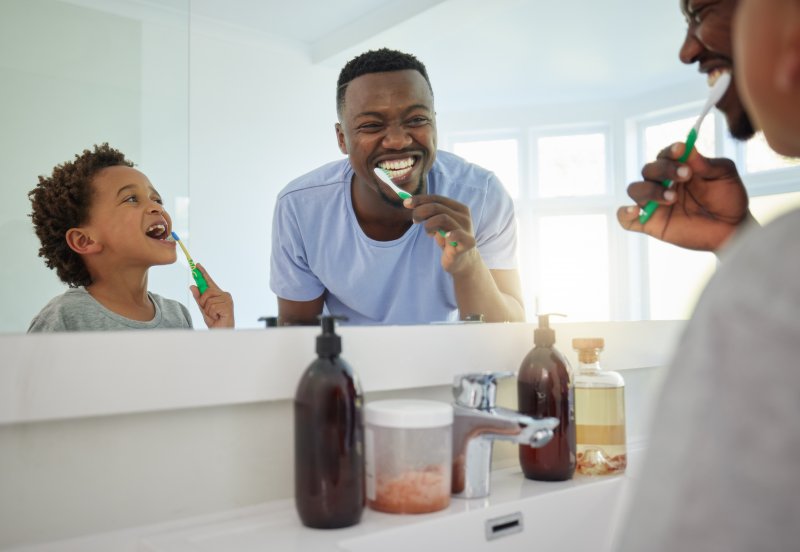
376 61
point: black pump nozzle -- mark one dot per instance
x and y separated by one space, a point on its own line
544 335
328 343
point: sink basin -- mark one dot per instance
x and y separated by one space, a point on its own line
520 515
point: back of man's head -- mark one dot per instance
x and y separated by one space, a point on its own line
376 61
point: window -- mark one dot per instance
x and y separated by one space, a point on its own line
572 165
563 212
759 157
499 156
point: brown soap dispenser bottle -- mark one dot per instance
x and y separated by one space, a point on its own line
329 438
544 388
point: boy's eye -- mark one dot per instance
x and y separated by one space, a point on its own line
131 199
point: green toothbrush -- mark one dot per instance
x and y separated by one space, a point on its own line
714 95
402 194
202 285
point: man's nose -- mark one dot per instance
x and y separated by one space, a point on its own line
396 137
691 48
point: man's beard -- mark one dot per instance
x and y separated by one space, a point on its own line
740 126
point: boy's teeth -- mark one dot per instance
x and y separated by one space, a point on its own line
156 230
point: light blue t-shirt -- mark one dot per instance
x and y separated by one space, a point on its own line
318 245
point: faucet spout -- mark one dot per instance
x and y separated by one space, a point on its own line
478 423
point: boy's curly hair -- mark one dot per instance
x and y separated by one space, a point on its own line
61 201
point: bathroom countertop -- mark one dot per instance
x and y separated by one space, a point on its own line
276 526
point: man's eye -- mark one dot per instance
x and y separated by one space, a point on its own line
418 121
370 127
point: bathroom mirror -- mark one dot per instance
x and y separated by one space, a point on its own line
222 103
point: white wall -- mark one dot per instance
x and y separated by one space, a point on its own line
261 115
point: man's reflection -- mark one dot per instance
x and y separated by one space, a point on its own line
345 243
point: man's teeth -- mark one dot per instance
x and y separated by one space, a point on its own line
397 164
714 76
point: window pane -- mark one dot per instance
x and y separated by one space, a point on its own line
658 137
572 165
499 156
767 208
677 276
573 267
758 156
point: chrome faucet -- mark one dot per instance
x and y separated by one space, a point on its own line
478 422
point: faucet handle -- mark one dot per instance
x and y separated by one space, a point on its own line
477 390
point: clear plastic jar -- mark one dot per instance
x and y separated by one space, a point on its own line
408 455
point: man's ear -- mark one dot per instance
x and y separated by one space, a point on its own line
81 243
340 138
787 68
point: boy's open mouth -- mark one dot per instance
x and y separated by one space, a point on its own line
157 231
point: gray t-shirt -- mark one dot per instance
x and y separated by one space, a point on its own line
77 311
723 463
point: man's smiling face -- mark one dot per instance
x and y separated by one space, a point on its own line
388 121
709 43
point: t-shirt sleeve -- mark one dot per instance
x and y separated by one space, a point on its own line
290 274
496 229
48 320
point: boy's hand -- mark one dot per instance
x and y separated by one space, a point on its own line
215 304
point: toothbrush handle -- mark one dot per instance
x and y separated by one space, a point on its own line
202 285
443 234
651 206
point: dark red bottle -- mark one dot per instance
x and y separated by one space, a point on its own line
329 439
544 388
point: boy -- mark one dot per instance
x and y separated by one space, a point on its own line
721 471
102 225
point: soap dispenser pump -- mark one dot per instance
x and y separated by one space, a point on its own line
545 389
329 438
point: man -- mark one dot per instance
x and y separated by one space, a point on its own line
721 471
344 242
707 202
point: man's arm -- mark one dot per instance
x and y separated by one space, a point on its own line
496 294
300 313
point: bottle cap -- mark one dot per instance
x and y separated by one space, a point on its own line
581 343
408 413
328 343
544 335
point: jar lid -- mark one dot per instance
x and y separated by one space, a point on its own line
403 413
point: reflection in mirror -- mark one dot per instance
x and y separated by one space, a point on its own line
261 81
75 74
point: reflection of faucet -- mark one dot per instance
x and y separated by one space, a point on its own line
478 422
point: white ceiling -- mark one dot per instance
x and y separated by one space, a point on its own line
488 52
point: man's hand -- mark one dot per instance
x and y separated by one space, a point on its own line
215 304
496 294
702 209
448 222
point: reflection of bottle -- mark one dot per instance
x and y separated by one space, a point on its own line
329 438
544 388
599 412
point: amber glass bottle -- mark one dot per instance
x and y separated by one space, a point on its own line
329 439
544 388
